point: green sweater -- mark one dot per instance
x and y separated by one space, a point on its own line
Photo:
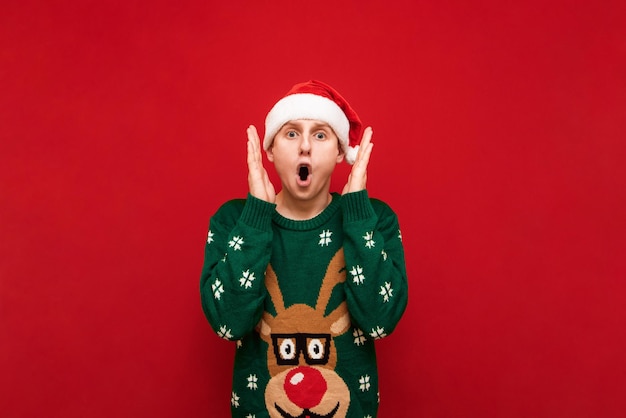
304 300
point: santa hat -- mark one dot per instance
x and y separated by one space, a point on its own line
316 101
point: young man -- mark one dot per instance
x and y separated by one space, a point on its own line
304 280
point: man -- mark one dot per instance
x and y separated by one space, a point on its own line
304 279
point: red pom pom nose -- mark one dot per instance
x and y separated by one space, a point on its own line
305 386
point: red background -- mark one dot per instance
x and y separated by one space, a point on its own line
499 131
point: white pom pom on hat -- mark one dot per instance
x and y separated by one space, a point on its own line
316 100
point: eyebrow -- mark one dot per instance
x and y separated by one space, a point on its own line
316 125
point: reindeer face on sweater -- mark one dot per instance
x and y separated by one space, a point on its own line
302 355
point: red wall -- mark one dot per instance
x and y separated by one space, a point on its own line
499 132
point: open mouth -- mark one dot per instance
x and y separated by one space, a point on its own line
303 172
307 414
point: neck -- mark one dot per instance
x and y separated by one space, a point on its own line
301 210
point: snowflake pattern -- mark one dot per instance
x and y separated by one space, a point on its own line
247 279
217 289
357 275
364 383
386 291
378 333
236 243
359 337
325 238
358 278
225 333
252 382
234 400
250 416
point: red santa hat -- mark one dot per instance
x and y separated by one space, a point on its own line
316 101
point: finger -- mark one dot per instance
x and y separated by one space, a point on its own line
252 160
365 148
255 161
253 138
365 141
255 141
365 156
251 147
252 132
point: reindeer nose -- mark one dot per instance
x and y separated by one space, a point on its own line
305 386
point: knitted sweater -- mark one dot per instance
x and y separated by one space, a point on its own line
304 300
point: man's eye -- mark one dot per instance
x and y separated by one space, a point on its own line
291 134
287 349
320 135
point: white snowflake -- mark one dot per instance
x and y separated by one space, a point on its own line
239 343
359 336
224 258
247 279
357 275
400 235
364 383
252 382
217 289
384 254
378 333
325 238
250 416
236 243
368 416
386 291
234 400
369 239
378 396
209 238
225 333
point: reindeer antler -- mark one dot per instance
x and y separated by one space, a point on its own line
271 283
331 278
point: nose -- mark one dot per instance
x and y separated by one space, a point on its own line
305 145
305 386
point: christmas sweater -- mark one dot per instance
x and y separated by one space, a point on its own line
304 301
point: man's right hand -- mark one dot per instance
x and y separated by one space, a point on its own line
258 180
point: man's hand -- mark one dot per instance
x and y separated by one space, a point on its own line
258 180
357 180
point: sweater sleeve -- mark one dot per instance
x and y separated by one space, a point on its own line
236 255
376 282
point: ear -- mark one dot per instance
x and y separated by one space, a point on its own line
270 153
340 318
341 325
264 329
340 152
